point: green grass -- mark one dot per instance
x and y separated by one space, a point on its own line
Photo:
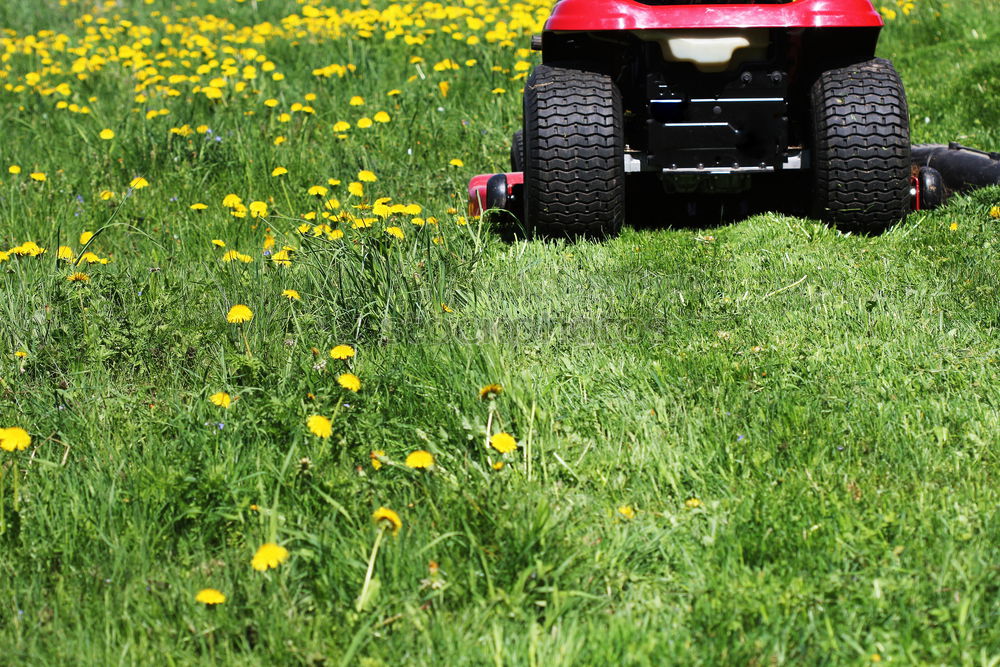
804 423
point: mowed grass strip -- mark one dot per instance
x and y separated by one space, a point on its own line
763 441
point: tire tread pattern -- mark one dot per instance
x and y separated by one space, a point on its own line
574 153
861 141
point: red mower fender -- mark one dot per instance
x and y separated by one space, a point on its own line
630 15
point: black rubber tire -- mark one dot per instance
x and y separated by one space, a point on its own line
517 151
861 147
574 148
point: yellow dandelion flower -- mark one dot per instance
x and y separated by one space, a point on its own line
218 243
349 381
692 503
107 134
356 189
85 237
268 556
29 249
341 126
455 162
231 201
342 352
320 426
444 87
78 277
291 295
490 391
318 191
279 140
258 209
21 354
279 171
627 511
221 398
14 169
356 101
420 459
498 465
366 176
138 183
198 206
953 226
239 314
995 211
65 253
105 195
395 232
364 123
381 117
210 596
503 442
14 438
282 258
446 308
38 176
376 457
335 234
386 518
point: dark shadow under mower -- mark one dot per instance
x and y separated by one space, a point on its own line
938 171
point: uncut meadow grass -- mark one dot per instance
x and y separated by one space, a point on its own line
764 441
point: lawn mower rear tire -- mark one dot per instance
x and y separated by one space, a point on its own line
574 148
861 147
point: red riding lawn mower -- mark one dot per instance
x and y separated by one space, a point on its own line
778 101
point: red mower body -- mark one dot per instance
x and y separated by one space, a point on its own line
631 15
